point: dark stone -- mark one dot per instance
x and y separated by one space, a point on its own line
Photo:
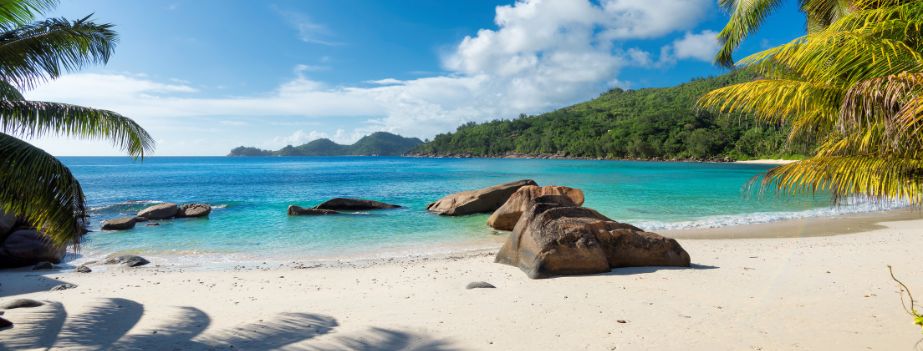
123 223
477 201
159 211
194 211
65 286
20 303
4 324
7 223
44 265
26 247
126 260
479 285
84 269
301 211
345 204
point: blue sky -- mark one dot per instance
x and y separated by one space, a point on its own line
207 75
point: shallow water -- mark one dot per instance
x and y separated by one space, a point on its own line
251 195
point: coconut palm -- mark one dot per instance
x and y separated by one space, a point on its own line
856 87
34 184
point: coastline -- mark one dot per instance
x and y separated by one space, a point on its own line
820 292
767 162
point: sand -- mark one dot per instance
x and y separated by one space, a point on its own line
792 293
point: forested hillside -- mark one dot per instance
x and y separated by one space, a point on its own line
654 123
379 143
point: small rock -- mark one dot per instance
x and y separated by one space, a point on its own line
622 321
84 269
64 286
127 260
20 303
44 265
5 324
479 285
119 223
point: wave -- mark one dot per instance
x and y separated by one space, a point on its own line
124 206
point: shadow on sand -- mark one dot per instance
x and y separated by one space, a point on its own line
107 324
652 269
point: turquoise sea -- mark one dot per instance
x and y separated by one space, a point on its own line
251 196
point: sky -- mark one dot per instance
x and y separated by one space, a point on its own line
204 76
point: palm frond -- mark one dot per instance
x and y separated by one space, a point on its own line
32 119
9 92
18 12
34 53
41 189
746 17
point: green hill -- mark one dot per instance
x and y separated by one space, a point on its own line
379 143
653 123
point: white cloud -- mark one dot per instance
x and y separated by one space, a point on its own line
309 31
341 136
702 46
542 54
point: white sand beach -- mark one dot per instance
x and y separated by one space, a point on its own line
794 293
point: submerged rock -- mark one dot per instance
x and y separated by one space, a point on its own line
301 211
20 303
346 204
159 211
26 247
553 239
123 223
505 217
126 260
479 285
193 211
477 201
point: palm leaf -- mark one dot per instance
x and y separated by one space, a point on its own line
18 12
34 53
9 92
38 187
746 17
33 119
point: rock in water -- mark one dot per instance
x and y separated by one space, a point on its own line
65 286
193 211
159 211
44 265
477 201
301 211
84 269
127 260
123 223
479 285
26 247
505 217
20 303
345 204
553 239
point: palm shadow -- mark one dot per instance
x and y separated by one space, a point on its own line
652 269
21 281
107 324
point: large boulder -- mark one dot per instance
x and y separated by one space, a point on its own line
552 239
26 247
346 204
301 211
193 211
124 223
7 223
505 217
159 211
477 201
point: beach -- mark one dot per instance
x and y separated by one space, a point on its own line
783 293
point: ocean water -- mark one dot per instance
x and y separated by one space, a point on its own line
251 196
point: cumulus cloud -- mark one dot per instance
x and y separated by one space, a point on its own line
701 46
542 54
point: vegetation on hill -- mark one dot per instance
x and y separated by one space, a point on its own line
654 123
379 143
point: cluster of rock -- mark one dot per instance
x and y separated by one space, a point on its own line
553 235
22 245
158 212
338 205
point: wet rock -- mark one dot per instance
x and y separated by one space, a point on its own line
126 260
124 223
65 286
301 211
477 201
479 285
20 303
83 269
194 211
44 265
346 204
159 211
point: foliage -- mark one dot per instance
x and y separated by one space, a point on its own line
35 185
657 123
378 143
909 305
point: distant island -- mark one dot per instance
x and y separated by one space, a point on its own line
375 144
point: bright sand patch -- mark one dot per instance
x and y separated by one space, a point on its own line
767 162
809 293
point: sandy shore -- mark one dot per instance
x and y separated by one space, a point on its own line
767 162
793 293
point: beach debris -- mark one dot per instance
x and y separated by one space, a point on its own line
5 324
348 204
554 239
479 285
20 303
42 266
193 211
83 269
25 247
126 260
621 321
123 223
65 286
505 217
165 210
477 201
301 211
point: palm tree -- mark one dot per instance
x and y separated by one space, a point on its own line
856 87
33 184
